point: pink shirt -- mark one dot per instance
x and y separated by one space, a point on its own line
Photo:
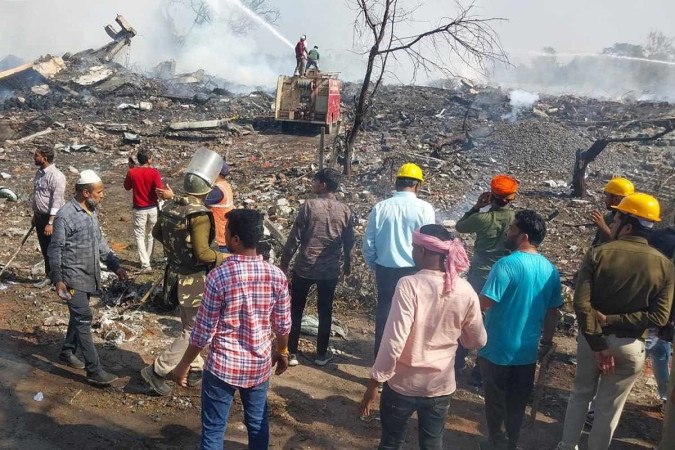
417 354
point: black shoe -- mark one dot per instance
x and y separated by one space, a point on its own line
102 378
157 383
71 360
194 378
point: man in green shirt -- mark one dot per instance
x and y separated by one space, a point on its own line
490 229
313 58
615 190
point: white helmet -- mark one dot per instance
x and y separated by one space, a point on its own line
303 37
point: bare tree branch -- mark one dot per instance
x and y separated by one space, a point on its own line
466 37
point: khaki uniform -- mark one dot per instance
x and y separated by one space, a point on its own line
630 283
489 227
186 229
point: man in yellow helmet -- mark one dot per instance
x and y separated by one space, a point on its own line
615 190
624 288
387 244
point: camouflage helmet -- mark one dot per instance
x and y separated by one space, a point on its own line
195 185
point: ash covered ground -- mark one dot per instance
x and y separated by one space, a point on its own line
461 137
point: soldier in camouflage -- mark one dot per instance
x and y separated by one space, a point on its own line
186 229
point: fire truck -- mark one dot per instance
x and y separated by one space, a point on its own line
310 99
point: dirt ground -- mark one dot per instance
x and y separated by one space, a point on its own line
310 407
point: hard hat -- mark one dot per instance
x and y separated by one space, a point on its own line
619 186
642 206
303 37
410 170
195 185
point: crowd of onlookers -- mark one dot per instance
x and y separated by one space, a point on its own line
428 317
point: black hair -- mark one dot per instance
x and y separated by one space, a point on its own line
406 182
316 47
84 187
329 176
247 224
638 229
532 224
437 231
143 156
47 153
500 201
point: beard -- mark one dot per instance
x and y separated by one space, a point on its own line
510 244
91 203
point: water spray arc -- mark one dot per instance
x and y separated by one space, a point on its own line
215 5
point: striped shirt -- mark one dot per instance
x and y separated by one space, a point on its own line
245 299
48 190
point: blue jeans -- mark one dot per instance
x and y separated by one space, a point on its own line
661 355
395 411
217 398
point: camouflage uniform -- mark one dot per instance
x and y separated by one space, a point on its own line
185 227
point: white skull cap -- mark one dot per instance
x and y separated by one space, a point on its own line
88 177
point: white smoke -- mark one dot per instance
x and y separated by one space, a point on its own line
520 101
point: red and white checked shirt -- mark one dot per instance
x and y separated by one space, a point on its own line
245 299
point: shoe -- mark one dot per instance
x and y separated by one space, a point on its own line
102 378
42 284
293 360
323 360
157 383
194 378
71 360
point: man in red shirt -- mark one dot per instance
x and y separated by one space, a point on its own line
143 180
300 56
245 300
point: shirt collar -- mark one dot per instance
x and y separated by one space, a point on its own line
79 207
404 194
328 195
236 257
637 239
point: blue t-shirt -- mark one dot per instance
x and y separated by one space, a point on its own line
523 286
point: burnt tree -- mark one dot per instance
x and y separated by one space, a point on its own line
584 158
465 38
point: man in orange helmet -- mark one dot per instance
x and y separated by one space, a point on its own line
490 227
624 288
615 190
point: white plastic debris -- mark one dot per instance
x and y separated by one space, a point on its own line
38 397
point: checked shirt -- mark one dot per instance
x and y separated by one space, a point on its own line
245 299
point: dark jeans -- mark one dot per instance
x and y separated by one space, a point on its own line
41 221
217 397
386 279
477 280
507 390
299 291
79 335
395 411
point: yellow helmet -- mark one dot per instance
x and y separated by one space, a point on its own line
640 205
410 170
619 186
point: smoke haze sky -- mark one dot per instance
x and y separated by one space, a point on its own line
31 28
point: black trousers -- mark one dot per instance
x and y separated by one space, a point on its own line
41 221
299 291
79 334
507 390
395 412
386 279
